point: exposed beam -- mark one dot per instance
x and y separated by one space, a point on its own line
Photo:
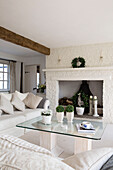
22 41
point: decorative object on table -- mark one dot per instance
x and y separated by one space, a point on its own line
95 106
78 62
80 101
41 88
46 116
70 113
90 106
60 113
85 127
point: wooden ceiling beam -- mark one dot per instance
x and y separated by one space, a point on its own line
14 38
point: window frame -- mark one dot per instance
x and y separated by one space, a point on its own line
8 78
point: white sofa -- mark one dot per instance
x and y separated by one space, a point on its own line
8 122
18 154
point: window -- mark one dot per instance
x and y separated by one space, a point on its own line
4 77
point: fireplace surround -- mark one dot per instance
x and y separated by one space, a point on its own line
105 74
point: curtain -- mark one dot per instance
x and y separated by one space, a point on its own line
12 76
18 75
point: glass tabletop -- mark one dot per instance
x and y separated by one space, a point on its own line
64 128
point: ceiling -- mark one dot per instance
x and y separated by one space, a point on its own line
59 23
16 50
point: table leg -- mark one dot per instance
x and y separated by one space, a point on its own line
49 141
82 145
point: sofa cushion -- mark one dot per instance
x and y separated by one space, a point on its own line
8 121
21 96
30 113
12 142
92 160
17 103
7 95
12 159
1 112
5 105
32 101
19 154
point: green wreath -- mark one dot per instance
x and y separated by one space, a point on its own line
78 62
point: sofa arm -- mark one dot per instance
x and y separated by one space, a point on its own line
44 104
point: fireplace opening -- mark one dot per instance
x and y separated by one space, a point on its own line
69 89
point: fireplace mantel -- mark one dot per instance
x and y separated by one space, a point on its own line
80 69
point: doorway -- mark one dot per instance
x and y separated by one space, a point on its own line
32 78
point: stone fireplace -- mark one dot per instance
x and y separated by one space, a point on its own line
103 74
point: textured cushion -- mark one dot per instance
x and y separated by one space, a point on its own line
92 160
18 154
12 142
7 95
17 103
21 96
11 159
32 101
5 105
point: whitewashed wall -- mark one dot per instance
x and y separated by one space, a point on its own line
91 53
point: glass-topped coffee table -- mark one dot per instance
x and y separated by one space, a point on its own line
48 133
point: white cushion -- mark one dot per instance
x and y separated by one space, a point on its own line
12 142
17 103
30 113
1 112
7 121
7 95
12 159
5 105
32 101
21 96
18 154
92 160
